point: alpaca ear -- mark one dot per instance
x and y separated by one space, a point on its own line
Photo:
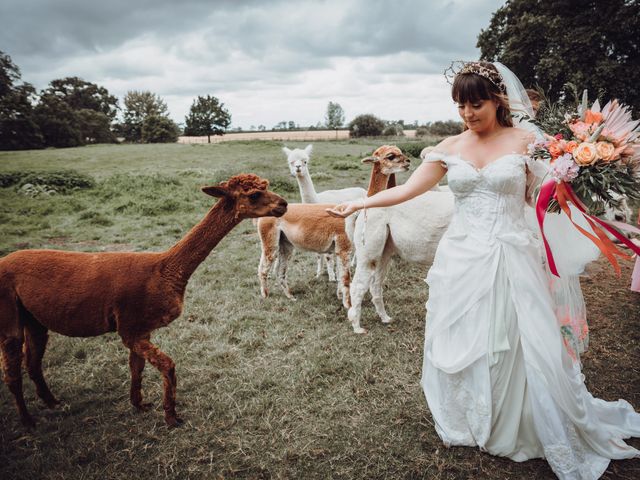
286 151
369 160
308 149
216 190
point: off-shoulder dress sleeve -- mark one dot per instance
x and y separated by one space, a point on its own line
434 156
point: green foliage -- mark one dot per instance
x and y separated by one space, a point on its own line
366 125
138 106
18 129
282 185
207 116
440 128
413 149
157 129
61 181
393 129
334 117
95 127
344 165
590 44
58 123
81 95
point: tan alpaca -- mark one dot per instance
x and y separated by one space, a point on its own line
308 227
87 294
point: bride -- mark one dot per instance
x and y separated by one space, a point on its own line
496 373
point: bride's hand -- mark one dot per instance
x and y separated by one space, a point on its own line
343 210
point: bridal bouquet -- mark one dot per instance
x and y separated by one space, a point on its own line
594 163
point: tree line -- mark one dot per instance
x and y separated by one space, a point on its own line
72 112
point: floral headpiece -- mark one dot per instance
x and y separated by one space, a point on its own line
462 68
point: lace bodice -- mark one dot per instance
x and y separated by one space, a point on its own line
490 201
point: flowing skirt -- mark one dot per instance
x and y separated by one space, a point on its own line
496 372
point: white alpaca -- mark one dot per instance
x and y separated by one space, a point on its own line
298 161
411 230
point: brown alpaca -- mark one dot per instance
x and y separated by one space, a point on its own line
87 294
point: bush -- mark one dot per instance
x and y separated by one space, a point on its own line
440 128
159 129
413 149
60 181
342 165
393 130
366 125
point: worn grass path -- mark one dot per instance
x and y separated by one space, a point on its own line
268 388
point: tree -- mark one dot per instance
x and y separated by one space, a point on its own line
590 44
207 117
80 95
59 124
159 129
335 115
95 126
366 125
138 106
18 129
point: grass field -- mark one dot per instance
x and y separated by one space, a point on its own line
267 388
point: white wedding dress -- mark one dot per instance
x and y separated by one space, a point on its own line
496 373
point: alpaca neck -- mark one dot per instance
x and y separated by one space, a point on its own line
378 181
307 191
184 257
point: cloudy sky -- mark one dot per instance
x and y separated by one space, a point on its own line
267 60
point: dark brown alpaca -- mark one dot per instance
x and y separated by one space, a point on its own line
87 294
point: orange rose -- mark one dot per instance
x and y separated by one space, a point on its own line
605 151
592 117
555 149
570 146
585 153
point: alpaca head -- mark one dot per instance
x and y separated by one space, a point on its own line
248 196
389 159
298 160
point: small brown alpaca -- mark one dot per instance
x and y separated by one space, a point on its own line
82 294
307 227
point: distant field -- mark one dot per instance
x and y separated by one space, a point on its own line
301 136
268 388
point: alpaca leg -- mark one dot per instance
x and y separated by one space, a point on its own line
344 275
319 265
163 363
361 281
266 261
269 239
136 365
36 337
377 286
330 258
285 253
12 359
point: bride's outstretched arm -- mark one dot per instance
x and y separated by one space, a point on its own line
426 176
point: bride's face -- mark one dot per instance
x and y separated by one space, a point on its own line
479 115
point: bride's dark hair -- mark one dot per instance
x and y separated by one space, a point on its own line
473 88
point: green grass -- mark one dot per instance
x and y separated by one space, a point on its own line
268 388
